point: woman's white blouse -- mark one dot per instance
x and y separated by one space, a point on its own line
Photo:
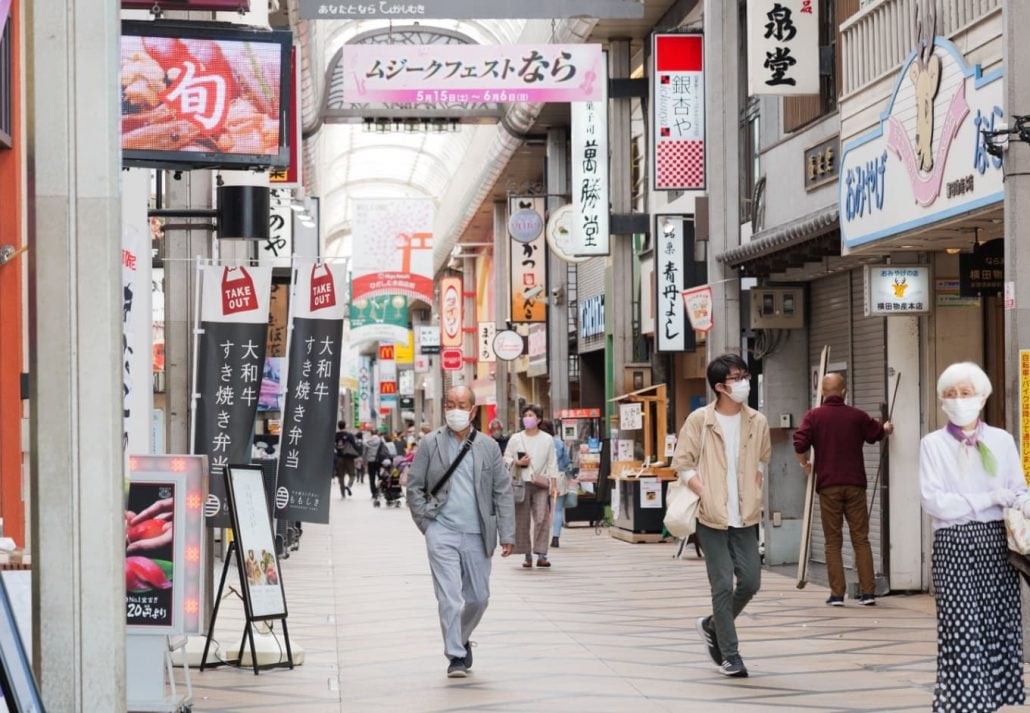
955 488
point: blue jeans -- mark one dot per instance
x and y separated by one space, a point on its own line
559 516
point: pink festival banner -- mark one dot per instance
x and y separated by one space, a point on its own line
452 74
392 248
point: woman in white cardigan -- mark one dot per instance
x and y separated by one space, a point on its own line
968 473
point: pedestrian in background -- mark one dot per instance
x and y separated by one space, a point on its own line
563 485
837 432
531 451
969 472
462 516
497 433
720 453
346 448
374 453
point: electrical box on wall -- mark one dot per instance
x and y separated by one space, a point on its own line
777 307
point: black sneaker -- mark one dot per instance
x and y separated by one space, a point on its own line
457 668
707 632
835 601
733 666
554 542
867 600
468 655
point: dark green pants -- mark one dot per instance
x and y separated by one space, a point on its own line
730 554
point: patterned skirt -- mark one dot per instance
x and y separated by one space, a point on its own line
979 629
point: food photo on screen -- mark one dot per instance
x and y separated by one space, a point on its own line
149 553
215 96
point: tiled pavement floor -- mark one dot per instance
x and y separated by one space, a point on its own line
609 628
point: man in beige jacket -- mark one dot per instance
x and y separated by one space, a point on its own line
720 453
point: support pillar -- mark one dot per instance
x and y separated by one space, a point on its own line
557 275
75 300
502 311
722 108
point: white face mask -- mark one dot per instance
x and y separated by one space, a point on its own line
457 419
962 412
740 390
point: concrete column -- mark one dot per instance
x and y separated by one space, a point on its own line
557 276
722 107
75 352
618 305
502 307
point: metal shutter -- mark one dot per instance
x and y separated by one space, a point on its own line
831 324
590 280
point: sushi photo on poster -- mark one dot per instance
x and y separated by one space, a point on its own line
149 554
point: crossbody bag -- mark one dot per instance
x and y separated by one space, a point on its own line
457 461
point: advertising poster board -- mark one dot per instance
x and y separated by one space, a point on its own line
150 554
678 91
260 578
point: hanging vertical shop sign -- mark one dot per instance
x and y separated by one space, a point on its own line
428 341
387 375
674 272
678 89
537 348
698 303
393 248
486 331
783 47
590 172
528 260
230 362
378 319
451 312
312 392
1024 410
276 250
364 390
137 314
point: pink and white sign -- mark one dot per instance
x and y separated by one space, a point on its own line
452 74
679 112
927 160
393 248
698 303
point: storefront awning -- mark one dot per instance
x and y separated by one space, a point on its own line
808 238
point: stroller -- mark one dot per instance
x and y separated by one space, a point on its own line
389 485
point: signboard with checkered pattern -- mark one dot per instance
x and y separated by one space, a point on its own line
679 112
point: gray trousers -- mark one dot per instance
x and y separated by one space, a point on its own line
461 578
533 522
728 554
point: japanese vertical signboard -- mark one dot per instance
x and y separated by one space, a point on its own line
277 249
471 74
137 314
230 362
485 334
671 278
783 47
528 262
1024 410
679 112
312 392
590 172
364 401
451 312
393 248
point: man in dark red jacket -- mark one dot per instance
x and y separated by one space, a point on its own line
837 432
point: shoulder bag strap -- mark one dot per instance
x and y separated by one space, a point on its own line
450 471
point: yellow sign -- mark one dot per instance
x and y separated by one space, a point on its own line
405 353
1024 410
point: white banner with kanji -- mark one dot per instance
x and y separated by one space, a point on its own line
392 243
590 173
783 47
678 90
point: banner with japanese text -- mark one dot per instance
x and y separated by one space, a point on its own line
230 364
392 243
452 313
783 47
312 392
678 91
137 314
528 265
590 172
471 74
673 273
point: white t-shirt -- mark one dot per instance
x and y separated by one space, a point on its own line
730 426
542 459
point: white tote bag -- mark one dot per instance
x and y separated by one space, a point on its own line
683 503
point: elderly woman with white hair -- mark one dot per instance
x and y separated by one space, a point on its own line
968 473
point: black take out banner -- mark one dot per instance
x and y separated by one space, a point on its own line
309 421
231 361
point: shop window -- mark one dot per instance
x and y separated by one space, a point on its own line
6 87
800 111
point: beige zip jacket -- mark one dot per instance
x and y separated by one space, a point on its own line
701 448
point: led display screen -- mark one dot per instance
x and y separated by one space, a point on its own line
204 95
